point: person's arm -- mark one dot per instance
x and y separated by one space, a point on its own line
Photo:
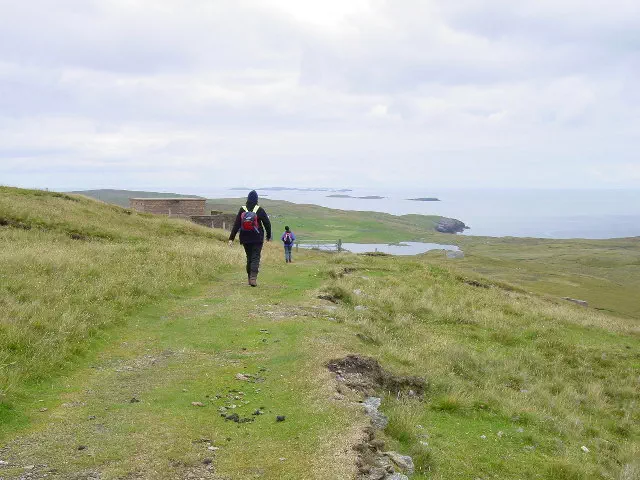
266 223
236 226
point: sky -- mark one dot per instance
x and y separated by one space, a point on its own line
197 94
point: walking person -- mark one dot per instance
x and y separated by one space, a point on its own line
252 221
288 237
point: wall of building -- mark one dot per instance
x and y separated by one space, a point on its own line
173 207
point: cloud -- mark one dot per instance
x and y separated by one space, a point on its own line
531 93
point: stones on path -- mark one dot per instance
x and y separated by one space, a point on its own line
234 417
378 419
582 303
247 377
374 464
403 462
366 375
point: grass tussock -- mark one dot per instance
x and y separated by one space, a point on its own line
512 375
71 267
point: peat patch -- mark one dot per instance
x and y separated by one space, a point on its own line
366 375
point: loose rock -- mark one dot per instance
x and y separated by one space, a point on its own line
397 476
280 418
197 404
404 462
378 419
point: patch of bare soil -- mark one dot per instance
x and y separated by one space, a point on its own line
366 375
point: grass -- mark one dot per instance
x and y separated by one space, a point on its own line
518 384
605 273
103 305
71 267
315 223
312 222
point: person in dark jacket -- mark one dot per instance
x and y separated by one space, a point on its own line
252 239
288 237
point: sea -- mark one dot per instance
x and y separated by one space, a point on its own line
592 214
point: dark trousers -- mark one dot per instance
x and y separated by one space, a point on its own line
253 251
287 253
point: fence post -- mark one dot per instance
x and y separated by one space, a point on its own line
339 245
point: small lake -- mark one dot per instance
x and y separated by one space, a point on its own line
403 248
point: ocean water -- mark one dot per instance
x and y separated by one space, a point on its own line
593 214
402 249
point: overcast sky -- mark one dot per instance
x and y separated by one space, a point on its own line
161 94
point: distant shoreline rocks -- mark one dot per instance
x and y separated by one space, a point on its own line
450 225
367 197
424 199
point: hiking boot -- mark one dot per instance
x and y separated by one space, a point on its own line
253 279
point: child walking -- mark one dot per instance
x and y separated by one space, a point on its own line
288 237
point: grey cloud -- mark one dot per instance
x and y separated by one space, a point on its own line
190 87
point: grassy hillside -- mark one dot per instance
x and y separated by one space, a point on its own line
113 323
606 273
70 266
517 384
313 223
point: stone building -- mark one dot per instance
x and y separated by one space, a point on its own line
186 207
173 207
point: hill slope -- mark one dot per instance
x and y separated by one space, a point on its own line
124 320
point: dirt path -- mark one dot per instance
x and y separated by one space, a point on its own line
193 388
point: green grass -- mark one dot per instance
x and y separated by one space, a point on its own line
605 273
100 305
313 223
71 267
550 378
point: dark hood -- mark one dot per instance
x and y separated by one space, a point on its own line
252 199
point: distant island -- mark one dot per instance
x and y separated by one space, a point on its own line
424 199
282 189
367 197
